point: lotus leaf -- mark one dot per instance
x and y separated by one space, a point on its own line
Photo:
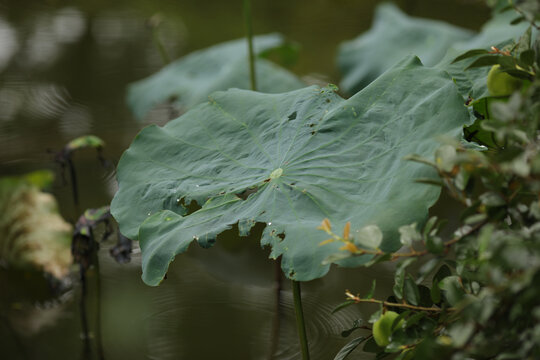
188 81
435 42
288 160
393 36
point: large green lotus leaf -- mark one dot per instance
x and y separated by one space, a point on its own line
393 36
288 160
189 80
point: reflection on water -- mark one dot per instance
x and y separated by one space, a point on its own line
8 43
63 73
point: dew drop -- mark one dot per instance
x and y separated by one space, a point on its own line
149 213
269 223
196 185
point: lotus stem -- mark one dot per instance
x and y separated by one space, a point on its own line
99 339
277 314
84 316
249 35
300 323
74 185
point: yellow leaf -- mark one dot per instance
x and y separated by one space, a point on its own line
327 241
325 225
349 246
347 230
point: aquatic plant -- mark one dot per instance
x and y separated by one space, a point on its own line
32 232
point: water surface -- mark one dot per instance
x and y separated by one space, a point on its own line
64 66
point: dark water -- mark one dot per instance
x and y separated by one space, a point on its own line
64 66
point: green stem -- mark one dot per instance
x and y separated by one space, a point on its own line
83 313
300 323
161 48
99 340
274 341
249 33
74 185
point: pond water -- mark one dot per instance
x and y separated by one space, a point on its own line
64 67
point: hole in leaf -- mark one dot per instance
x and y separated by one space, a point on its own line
180 206
245 194
292 116
231 239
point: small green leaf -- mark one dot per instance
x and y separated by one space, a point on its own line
488 60
484 238
413 320
368 237
527 57
371 346
434 244
463 176
443 272
342 306
492 199
524 42
398 320
435 293
399 277
470 53
98 214
474 219
378 259
445 157
411 292
87 141
460 333
409 234
349 348
430 224
520 74
453 290
426 269
371 291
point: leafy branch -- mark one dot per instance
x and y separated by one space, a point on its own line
357 299
354 249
